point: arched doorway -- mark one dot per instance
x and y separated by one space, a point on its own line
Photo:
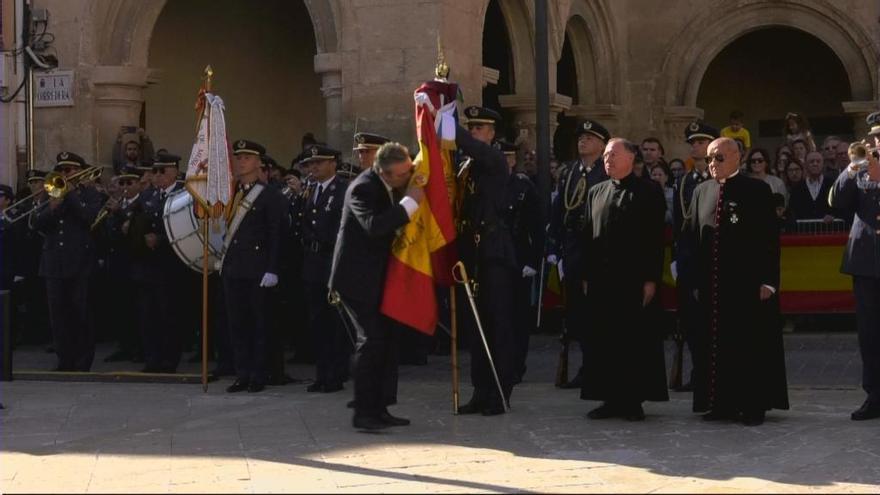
566 84
263 58
771 71
497 55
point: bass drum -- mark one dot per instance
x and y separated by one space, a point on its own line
186 234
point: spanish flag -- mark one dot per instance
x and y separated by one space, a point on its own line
424 250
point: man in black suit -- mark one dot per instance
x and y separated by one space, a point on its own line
857 191
623 353
567 220
67 263
322 211
250 265
739 336
371 215
809 198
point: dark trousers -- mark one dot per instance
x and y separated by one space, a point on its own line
73 336
278 322
575 308
688 322
247 311
219 340
495 300
159 326
332 346
31 314
525 318
867 292
122 306
375 359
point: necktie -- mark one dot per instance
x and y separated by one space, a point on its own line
162 196
318 192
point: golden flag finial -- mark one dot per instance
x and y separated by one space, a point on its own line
441 70
209 74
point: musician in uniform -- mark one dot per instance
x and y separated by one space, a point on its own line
365 146
322 212
303 352
256 220
568 217
698 135
523 217
30 291
271 173
857 191
487 248
66 264
379 201
7 241
733 227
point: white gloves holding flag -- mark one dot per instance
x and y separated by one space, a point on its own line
528 272
552 259
269 280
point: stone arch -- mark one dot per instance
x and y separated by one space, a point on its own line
590 32
519 22
690 55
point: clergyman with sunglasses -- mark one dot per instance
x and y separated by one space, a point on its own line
742 373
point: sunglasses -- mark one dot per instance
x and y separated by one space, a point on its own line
757 160
718 157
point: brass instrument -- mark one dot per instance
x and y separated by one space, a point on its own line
108 207
56 186
17 211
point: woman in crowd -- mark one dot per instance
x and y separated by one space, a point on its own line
676 167
796 127
783 158
661 175
794 174
758 164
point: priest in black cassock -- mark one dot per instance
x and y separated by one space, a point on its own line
623 361
733 225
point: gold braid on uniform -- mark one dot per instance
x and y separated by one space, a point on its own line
572 203
684 212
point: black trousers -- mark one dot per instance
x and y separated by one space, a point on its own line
72 333
525 319
375 359
332 346
30 316
495 299
689 321
867 292
123 304
159 325
247 317
575 311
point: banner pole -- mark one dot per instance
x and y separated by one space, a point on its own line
453 352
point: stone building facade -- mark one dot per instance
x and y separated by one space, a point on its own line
286 67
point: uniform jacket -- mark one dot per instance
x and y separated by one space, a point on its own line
159 265
684 250
369 222
255 248
68 247
861 197
320 227
524 219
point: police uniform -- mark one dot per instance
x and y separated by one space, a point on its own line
269 164
568 217
293 261
684 251
29 294
368 141
6 243
486 247
855 192
523 217
66 265
322 212
256 221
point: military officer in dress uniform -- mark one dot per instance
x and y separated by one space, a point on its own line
297 199
67 263
857 190
116 226
257 218
523 217
487 248
365 146
698 135
567 219
322 212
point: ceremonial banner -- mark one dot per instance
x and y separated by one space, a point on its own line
424 251
208 176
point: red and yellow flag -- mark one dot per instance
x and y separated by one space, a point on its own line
424 250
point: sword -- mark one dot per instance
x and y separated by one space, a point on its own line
541 292
345 314
459 274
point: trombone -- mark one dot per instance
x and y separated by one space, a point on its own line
56 185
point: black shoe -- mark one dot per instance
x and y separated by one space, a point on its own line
369 423
869 410
117 355
256 387
350 404
720 415
493 409
386 417
753 418
336 387
604 411
315 387
687 387
472 407
237 386
635 413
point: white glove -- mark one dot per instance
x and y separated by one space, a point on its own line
17 278
561 271
528 272
269 280
552 259
674 269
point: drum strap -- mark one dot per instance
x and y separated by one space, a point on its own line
244 206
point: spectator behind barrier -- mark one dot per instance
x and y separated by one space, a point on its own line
757 164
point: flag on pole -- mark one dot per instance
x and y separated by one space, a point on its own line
424 250
208 176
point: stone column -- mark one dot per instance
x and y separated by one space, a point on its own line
329 67
525 121
119 96
859 110
675 119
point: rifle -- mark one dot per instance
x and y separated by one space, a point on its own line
562 367
677 361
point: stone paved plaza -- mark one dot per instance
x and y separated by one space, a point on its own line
123 437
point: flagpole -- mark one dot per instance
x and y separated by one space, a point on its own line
209 73
453 337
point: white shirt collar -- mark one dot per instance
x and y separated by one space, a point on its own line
170 189
326 183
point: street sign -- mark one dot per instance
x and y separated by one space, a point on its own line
53 88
